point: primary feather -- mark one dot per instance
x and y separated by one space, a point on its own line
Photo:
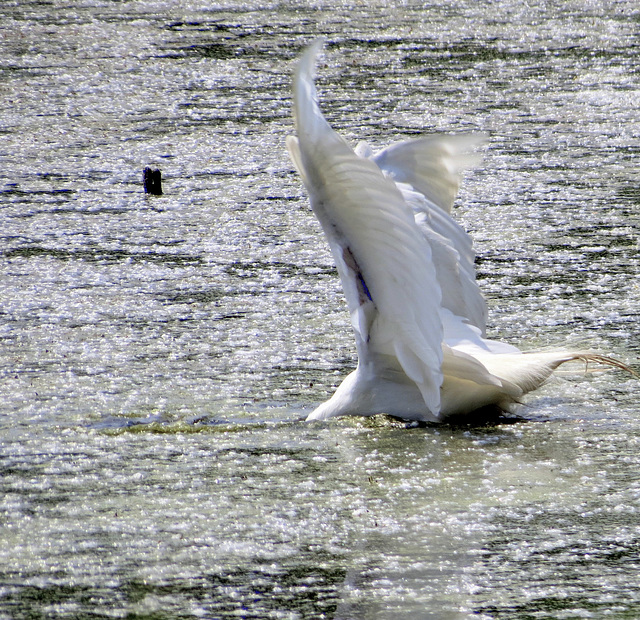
407 270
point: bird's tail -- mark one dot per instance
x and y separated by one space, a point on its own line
501 380
528 371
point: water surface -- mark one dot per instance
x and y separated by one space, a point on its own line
158 353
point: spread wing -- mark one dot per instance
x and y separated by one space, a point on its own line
431 165
384 260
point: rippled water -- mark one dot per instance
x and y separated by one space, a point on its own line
158 353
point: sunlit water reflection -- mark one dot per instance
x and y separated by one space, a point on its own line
158 353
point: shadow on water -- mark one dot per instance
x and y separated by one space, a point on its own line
309 588
157 423
103 255
486 418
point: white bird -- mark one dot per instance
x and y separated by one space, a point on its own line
407 270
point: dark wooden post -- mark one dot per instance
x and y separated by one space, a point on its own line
152 180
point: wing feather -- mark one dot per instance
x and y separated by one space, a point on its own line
364 214
428 173
431 165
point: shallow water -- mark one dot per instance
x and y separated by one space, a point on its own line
158 353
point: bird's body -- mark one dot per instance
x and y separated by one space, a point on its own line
407 270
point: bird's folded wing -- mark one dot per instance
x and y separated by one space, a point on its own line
428 172
453 258
385 262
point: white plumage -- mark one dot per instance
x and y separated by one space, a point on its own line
407 270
